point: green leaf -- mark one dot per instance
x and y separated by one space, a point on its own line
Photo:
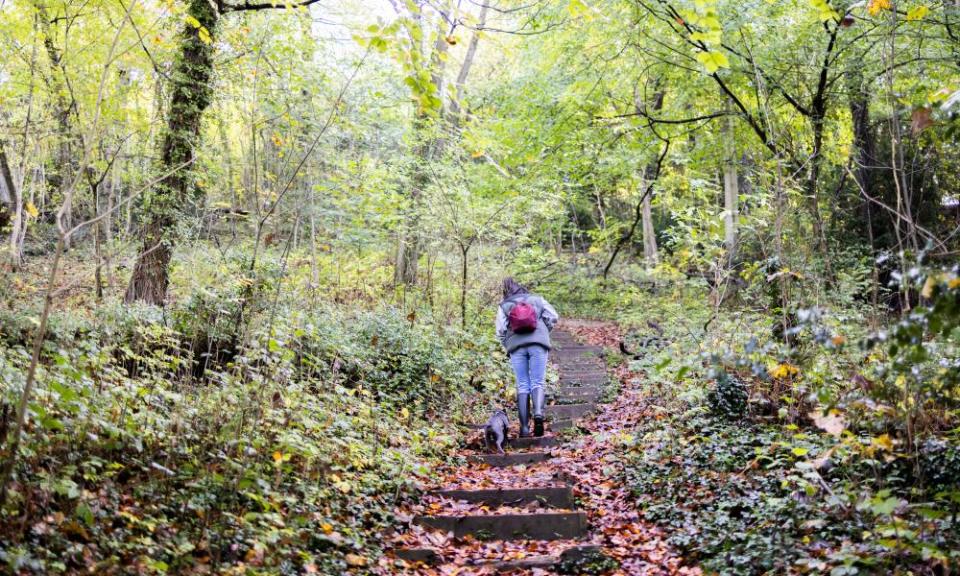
885 506
84 514
713 60
578 8
824 11
917 13
709 37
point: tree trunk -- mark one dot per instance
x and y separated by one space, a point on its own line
457 100
731 195
190 96
65 163
464 270
12 209
427 146
8 188
649 234
813 187
408 249
731 189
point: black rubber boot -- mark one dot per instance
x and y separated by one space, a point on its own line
539 395
523 407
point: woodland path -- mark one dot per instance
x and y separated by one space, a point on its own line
550 505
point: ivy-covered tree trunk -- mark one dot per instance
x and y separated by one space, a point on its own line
190 96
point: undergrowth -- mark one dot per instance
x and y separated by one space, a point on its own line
173 441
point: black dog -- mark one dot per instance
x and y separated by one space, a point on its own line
495 430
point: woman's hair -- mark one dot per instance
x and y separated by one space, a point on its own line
511 287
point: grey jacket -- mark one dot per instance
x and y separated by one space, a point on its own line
547 320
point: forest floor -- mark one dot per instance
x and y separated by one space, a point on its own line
587 458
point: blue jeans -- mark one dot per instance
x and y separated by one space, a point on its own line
530 366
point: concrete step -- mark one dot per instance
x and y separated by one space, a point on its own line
543 526
504 460
553 496
570 411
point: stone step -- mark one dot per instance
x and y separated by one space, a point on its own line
584 377
553 496
578 399
579 348
418 555
560 424
581 381
544 526
570 411
598 367
583 373
544 441
504 460
575 390
573 554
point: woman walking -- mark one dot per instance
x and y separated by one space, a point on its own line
524 322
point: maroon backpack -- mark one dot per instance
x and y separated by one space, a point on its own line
522 318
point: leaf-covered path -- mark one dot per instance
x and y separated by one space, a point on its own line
552 505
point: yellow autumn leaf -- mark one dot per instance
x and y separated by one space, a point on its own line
327 528
31 209
917 13
929 285
404 413
953 283
883 442
876 6
784 370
